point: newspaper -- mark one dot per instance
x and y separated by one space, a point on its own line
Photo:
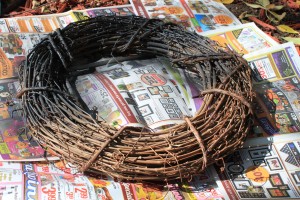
56 181
148 93
276 81
262 172
276 77
243 39
78 15
275 63
195 15
48 23
16 143
13 49
40 24
268 171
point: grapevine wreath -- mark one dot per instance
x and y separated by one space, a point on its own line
61 121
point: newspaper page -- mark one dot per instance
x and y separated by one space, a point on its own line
276 63
124 10
44 24
48 23
243 39
195 15
26 181
78 15
65 19
58 181
261 172
264 172
33 24
16 143
13 49
148 92
276 81
3 26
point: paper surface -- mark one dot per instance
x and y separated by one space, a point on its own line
198 16
143 93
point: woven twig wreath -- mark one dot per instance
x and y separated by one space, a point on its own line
62 123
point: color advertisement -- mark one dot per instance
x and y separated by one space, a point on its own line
196 16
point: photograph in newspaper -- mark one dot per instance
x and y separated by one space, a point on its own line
13 50
278 62
15 144
9 106
281 99
124 10
276 82
198 16
206 185
243 39
65 19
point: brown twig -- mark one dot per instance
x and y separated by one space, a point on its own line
261 23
